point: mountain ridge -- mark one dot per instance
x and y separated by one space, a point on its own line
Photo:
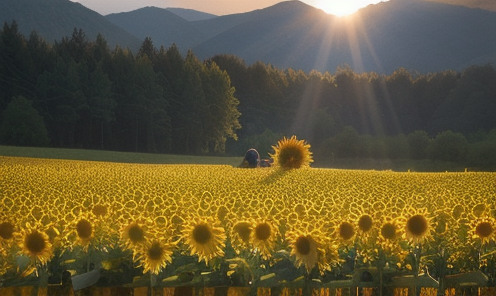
55 19
420 35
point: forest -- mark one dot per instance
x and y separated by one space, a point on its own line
79 93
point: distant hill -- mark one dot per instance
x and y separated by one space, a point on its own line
482 4
55 19
419 35
191 15
162 25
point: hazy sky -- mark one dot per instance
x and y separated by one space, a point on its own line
221 7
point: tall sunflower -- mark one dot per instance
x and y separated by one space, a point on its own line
483 229
306 248
263 237
390 236
35 244
204 237
134 235
7 230
292 153
241 234
418 225
345 232
155 256
80 231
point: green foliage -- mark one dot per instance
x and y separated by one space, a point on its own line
450 146
159 101
22 125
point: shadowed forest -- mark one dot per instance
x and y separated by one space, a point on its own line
79 93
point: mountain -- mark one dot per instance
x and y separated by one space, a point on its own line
162 25
482 4
191 15
55 19
418 35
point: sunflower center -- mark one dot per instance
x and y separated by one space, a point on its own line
6 230
365 223
35 242
136 233
243 229
99 210
263 231
84 229
346 230
417 225
155 252
303 245
202 234
388 231
484 229
291 157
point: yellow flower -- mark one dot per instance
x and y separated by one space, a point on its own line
155 256
345 232
133 236
205 238
484 229
365 223
263 238
35 244
7 230
292 153
390 235
418 226
241 234
100 210
306 247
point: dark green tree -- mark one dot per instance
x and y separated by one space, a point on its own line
419 143
22 125
222 105
450 146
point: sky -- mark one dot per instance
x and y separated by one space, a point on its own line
221 7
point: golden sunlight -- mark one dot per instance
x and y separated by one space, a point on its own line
342 7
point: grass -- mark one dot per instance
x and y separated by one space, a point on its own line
114 156
155 158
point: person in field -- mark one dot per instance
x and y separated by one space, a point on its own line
252 160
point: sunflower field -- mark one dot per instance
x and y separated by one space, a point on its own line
284 230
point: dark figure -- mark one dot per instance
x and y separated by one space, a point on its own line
251 160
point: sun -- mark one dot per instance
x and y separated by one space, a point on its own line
342 7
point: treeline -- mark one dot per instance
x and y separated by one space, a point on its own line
77 93
447 116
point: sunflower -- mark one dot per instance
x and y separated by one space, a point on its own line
7 230
418 226
35 244
134 235
483 228
345 232
306 248
155 256
292 153
390 236
263 237
205 238
241 234
81 232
